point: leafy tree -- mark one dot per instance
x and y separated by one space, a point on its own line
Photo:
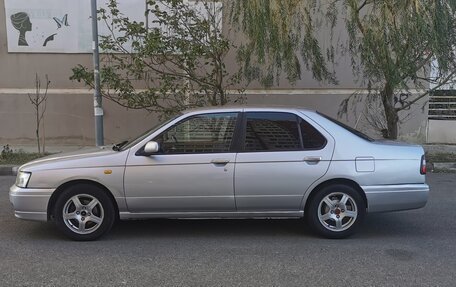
172 62
281 40
392 43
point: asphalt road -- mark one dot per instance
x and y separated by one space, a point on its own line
413 248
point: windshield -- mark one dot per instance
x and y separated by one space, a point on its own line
146 133
348 128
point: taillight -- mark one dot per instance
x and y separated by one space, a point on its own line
423 165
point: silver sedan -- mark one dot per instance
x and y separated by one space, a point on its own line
228 162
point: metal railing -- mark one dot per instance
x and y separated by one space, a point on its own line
442 105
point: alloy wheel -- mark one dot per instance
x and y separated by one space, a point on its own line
83 214
337 211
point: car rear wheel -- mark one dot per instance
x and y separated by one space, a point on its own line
336 211
84 212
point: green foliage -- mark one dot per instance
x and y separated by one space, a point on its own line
6 151
281 40
440 157
394 41
392 44
171 64
17 157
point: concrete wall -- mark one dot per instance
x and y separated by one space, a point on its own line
68 120
328 101
69 116
442 131
17 70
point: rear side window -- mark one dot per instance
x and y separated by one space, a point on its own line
311 138
279 132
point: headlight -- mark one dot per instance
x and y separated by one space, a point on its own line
23 178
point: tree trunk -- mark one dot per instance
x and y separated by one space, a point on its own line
223 100
37 131
391 115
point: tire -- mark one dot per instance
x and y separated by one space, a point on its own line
89 212
336 211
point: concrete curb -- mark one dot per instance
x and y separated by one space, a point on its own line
8 169
444 167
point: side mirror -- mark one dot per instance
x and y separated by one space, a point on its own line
151 148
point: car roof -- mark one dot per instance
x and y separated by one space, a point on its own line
247 108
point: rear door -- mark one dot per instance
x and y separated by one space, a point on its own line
281 155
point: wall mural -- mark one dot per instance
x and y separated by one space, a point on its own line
21 22
57 26
62 26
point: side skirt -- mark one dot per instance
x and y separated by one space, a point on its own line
200 215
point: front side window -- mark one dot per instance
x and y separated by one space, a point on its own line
208 133
132 143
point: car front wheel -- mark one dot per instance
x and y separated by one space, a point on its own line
336 211
84 212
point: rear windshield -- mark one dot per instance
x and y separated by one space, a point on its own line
348 128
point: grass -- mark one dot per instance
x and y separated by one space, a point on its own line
19 157
440 157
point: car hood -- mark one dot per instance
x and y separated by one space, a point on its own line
88 157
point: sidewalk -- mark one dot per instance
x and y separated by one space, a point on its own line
433 149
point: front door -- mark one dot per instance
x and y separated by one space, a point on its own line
194 170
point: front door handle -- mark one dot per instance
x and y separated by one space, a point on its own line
312 159
220 161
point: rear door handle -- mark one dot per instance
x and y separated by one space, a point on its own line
312 159
221 161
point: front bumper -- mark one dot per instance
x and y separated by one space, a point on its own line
30 204
382 198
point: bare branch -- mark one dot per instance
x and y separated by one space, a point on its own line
444 82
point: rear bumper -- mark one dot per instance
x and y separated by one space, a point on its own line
381 198
30 204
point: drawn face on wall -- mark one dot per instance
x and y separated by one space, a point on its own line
27 25
21 22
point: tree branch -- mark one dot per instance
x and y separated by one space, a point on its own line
445 81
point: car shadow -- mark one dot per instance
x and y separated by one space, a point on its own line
209 228
378 225
391 225
383 225
44 231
